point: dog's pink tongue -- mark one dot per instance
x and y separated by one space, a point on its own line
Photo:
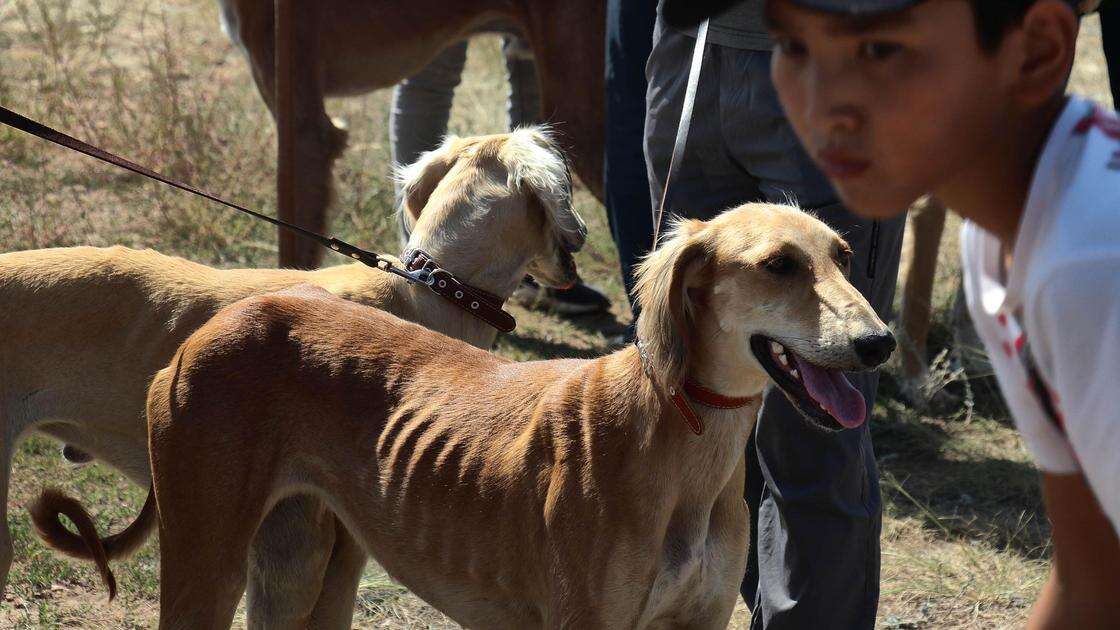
832 390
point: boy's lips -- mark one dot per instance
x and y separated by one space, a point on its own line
839 164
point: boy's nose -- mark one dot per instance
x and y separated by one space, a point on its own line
831 103
875 348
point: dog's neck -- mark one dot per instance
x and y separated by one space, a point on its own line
472 257
703 465
479 267
723 363
482 267
669 428
718 360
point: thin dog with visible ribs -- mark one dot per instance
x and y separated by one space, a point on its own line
82 331
602 493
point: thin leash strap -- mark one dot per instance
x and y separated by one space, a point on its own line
690 416
27 125
478 303
682 126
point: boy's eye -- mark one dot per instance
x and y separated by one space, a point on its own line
878 51
789 47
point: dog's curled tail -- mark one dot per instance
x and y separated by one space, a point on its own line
86 544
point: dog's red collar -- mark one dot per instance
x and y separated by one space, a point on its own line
705 397
695 391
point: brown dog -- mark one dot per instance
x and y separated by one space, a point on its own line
555 494
347 47
82 331
925 224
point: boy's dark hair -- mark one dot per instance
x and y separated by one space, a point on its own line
995 17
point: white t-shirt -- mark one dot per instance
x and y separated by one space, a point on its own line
1060 303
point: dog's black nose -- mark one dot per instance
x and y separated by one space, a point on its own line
873 349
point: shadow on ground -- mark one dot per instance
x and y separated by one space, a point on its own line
606 324
959 492
530 346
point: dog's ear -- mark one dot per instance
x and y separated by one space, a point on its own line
537 167
666 323
419 180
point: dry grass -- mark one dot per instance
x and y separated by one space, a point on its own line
965 544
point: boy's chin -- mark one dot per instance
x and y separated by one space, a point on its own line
873 204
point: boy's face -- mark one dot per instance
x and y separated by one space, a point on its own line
891 108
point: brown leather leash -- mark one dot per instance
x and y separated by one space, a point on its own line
485 306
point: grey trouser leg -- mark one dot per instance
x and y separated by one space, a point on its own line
523 101
814 496
422 103
419 112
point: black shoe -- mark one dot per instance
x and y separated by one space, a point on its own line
75 456
580 299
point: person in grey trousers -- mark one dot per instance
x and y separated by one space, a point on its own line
418 119
421 104
814 496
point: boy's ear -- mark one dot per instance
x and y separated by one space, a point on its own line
1047 43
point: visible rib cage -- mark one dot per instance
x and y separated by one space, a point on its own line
431 468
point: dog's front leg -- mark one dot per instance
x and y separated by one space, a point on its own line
567 43
309 142
287 563
927 223
309 145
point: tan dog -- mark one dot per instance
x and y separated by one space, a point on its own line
555 494
82 330
348 47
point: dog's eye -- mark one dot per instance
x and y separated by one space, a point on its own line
780 265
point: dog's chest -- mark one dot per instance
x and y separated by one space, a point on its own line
693 572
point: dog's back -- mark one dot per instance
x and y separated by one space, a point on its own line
82 329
